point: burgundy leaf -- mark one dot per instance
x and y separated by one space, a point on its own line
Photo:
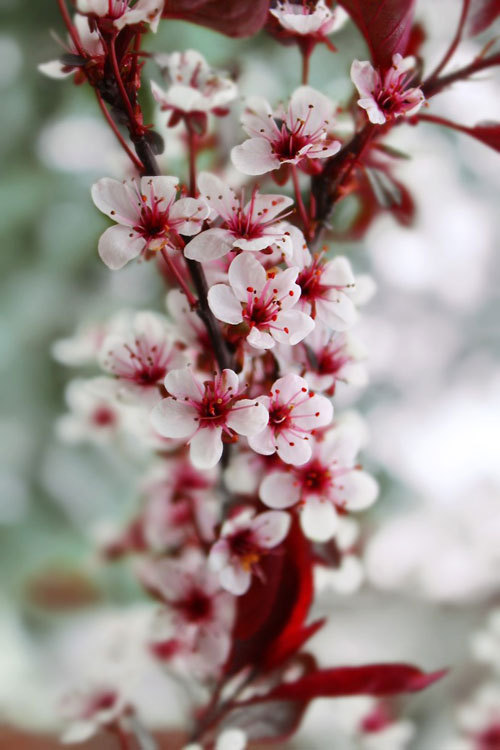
290 642
236 18
481 15
385 24
374 679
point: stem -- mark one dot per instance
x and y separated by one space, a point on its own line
431 87
300 202
116 730
176 273
192 148
306 56
456 40
71 29
138 164
121 87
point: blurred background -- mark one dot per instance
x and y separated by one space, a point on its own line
430 547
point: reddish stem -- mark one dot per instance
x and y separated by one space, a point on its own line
121 87
192 150
300 202
432 87
176 273
138 164
71 29
456 40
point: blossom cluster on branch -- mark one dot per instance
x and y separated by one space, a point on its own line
230 390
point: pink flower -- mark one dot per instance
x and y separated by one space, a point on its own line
244 539
262 301
199 614
203 412
300 19
195 88
94 414
294 415
148 217
330 482
302 132
326 289
141 358
89 711
121 14
253 226
387 95
91 44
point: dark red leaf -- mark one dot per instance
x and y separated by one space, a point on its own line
236 18
290 642
385 24
481 14
374 679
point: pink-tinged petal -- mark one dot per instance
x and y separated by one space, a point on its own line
263 442
257 119
254 245
183 384
245 271
323 149
188 215
270 528
338 272
293 449
260 339
174 419
117 200
55 69
254 156
357 490
284 283
344 441
209 245
364 77
375 114
279 490
118 245
336 310
219 556
268 207
298 324
248 417
205 448
224 305
229 381
316 412
235 579
289 387
218 195
319 520
163 187
312 107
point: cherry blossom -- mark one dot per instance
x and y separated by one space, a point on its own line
141 358
329 483
387 95
203 412
95 414
301 19
291 137
262 301
479 721
195 88
244 539
89 711
120 14
148 217
327 288
199 613
294 415
252 226
90 42
228 739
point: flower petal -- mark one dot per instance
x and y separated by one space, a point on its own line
183 384
357 490
245 271
235 579
117 200
270 528
174 419
296 450
279 490
218 195
224 305
319 520
118 245
254 156
188 215
248 417
209 245
205 448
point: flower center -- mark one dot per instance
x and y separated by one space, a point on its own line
315 478
213 407
196 607
242 545
103 416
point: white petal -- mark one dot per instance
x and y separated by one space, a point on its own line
219 555
224 305
117 247
163 187
183 384
188 215
254 156
174 419
279 490
78 731
268 207
299 326
209 245
364 77
289 386
311 106
319 520
248 417
338 272
359 490
260 339
117 200
263 442
336 310
257 118
235 579
271 527
296 450
55 69
218 195
316 412
205 448
231 739
246 271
